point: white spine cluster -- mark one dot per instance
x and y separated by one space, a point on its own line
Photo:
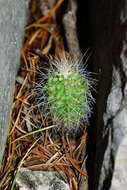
65 92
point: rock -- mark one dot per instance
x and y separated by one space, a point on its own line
69 23
108 23
116 129
12 21
119 180
37 180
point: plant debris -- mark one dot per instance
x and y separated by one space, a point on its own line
29 142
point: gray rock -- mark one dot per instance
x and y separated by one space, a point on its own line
37 180
117 129
12 21
109 34
119 180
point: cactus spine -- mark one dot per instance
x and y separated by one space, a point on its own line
68 92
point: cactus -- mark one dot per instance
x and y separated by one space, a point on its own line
67 92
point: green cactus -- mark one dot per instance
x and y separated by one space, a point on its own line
67 91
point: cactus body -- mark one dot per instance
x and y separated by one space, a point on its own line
67 93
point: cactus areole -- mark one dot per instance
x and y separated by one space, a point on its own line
67 91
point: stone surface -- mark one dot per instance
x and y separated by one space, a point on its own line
119 180
117 129
37 180
69 23
109 35
12 21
